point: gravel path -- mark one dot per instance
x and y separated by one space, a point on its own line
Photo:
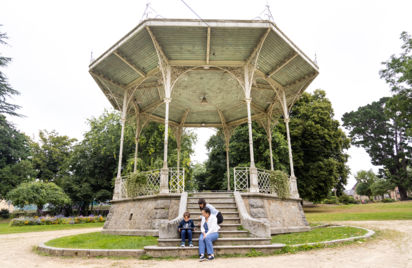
16 251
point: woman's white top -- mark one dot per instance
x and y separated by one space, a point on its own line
211 224
213 210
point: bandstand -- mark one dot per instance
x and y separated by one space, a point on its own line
204 73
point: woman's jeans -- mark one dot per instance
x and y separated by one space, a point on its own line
207 243
184 233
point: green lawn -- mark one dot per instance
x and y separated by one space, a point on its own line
318 235
360 212
102 241
6 229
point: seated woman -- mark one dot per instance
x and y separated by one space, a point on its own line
209 229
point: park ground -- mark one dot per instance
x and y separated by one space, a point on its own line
392 247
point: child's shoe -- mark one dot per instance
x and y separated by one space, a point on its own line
182 245
191 245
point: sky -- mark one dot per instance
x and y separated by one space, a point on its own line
51 43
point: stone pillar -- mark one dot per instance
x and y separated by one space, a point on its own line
118 182
292 180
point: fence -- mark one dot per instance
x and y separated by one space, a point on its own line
242 178
176 180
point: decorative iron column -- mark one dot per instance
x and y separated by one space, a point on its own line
254 187
164 175
269 133
118 182
292 180
137 138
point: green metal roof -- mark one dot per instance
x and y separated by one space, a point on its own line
132 64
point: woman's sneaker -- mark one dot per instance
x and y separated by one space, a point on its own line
210 258
202 258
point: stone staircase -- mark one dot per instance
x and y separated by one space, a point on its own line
233 239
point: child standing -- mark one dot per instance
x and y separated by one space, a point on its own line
186 228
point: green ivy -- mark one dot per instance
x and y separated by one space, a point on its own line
279 182
135 184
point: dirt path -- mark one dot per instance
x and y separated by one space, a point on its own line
16 251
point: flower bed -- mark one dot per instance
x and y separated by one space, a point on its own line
59 219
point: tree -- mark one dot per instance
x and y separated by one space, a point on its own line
376 128
365 179
318 146
15 167
50 155
380 187
39 194
6 90
13 175
93 163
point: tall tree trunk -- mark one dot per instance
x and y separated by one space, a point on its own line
402 192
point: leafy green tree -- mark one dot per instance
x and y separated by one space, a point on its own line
13 175
50 155
93 164
318 146
14 152
365 179
39 194
6 90
376 128
380 187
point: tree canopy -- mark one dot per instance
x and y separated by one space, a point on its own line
318 146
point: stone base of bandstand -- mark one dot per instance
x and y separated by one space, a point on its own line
141 216
282 215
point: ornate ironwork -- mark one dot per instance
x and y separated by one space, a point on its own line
241 179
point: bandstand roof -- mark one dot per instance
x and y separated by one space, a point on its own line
209 50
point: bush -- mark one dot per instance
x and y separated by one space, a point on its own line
331 200
59 219
347 199
387 200
4 213
279 181
135 184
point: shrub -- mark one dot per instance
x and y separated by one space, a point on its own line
388 200
279 182
59 219
135 184
331 200
4 213
347 199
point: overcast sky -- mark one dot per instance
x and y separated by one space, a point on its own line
51 44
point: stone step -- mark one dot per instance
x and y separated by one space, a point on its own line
214 200
216 205
173 242
227 220
211 194
222 210
230 227
158 252
196 214
227 234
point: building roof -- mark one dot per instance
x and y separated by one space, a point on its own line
207 53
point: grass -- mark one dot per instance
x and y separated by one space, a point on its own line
98 240
318 235
6 229
360 212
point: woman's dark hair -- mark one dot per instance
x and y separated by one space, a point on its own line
202 201
207 210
